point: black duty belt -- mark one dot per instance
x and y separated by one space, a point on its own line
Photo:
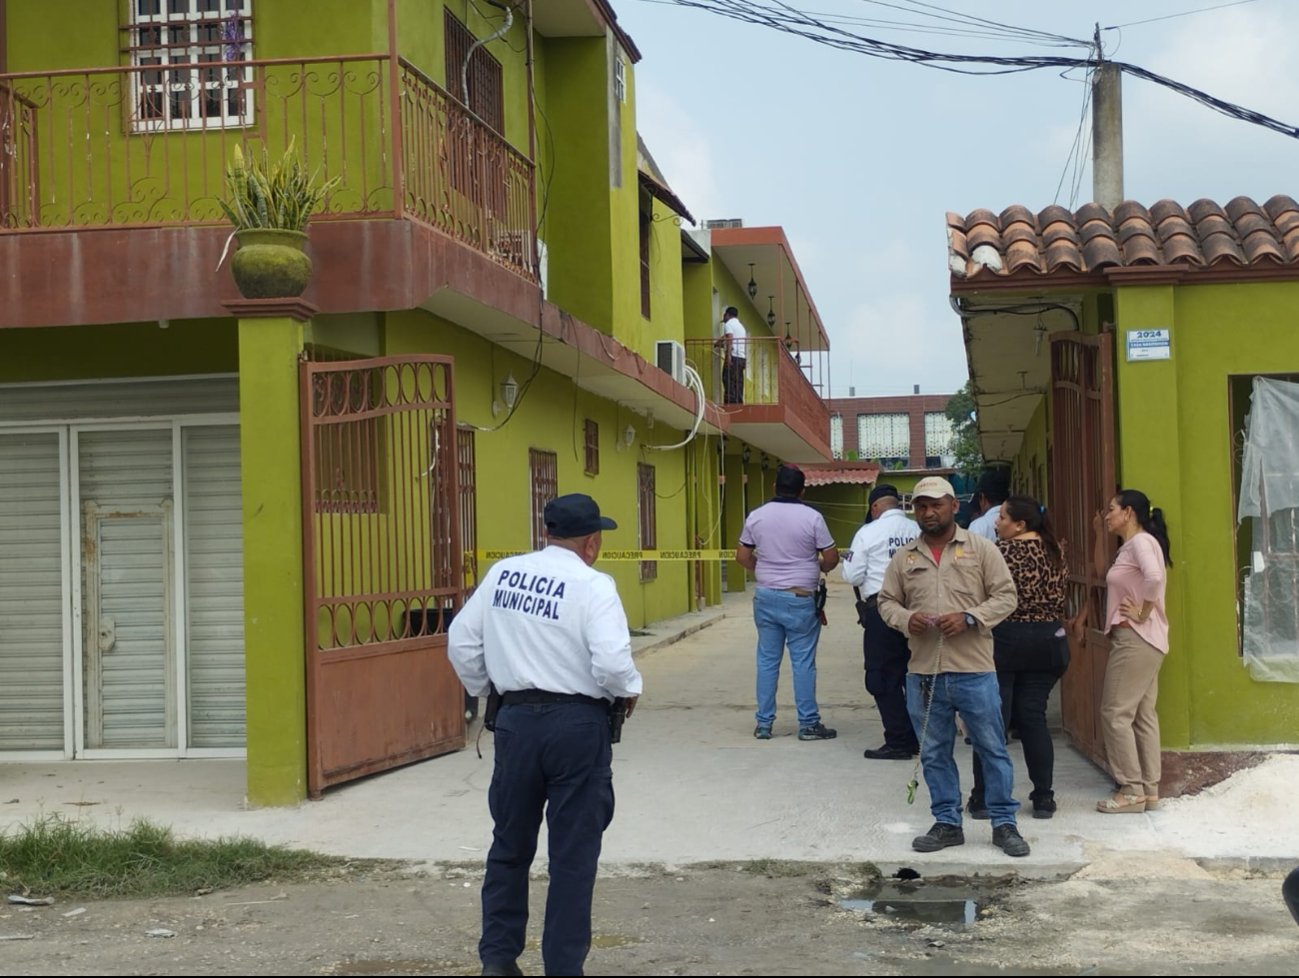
873 600
521 696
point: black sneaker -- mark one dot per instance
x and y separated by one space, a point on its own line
978 809
1008 840
817 731
502 969
887 753
940 836
761 732
1045 807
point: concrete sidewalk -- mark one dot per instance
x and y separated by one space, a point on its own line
692 784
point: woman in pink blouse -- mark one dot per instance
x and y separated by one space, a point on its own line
1138 628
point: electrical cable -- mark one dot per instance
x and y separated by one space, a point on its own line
1184 13
780 16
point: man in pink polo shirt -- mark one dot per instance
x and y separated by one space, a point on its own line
787 546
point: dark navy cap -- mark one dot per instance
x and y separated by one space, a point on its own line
882 490
575 515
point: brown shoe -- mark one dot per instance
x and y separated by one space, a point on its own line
1152 803
1122 804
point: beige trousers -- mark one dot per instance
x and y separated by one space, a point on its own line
1128 718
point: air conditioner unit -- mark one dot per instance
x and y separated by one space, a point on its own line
671 359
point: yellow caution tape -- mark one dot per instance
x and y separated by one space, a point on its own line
490 556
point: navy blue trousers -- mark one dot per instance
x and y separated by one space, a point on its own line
885 655
552 759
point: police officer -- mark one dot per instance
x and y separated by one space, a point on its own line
884 651
549 632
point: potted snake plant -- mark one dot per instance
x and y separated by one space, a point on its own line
269 204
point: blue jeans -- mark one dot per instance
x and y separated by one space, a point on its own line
976 696
783 618
551 757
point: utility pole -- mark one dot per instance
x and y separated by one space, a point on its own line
1107 131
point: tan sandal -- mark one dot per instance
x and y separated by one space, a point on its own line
1152 803
1122 804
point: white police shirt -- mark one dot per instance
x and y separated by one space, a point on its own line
873 547
986 525
738 334
544 620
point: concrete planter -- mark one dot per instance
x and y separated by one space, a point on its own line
271 263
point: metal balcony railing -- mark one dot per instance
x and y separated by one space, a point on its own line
134 146
773 374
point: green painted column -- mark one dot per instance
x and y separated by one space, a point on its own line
1150 459
274 663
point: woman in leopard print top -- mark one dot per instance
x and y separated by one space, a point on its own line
1030 646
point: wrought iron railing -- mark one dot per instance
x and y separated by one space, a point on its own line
461 176
139 146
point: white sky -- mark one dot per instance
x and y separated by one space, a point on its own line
859 159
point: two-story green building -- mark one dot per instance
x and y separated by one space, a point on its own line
239 527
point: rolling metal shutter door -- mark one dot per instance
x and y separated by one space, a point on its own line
127 475
31 594
215 593
141 398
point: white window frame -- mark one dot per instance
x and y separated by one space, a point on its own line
899 435
940 434
175 78
619 78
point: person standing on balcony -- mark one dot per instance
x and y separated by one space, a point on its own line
787 546
548 632
949 588
884 650
733 345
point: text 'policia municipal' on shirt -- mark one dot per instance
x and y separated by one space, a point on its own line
533 594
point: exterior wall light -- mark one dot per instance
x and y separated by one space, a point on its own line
753 285
771 313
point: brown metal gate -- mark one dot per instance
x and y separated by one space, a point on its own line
1082 483
383 566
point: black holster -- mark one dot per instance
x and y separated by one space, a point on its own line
617 717
492 708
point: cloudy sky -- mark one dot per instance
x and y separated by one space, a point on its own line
859 159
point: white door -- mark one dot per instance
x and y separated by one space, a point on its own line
128 606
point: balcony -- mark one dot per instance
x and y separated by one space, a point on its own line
781 412
145 147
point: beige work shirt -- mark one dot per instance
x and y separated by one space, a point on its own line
971 577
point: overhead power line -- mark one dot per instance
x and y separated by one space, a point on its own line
1184 13
780 16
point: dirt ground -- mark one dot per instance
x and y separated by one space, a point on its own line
1131 916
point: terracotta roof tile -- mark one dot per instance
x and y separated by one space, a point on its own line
1093 238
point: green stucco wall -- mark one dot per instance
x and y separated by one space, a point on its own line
195 346
1175 444
575 202
551 418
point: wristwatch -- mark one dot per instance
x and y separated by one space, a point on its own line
971 621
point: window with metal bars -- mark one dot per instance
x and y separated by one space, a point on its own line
647 513
544 478
592 433
486 91
466 465
183 47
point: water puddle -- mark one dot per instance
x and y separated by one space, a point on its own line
917 903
